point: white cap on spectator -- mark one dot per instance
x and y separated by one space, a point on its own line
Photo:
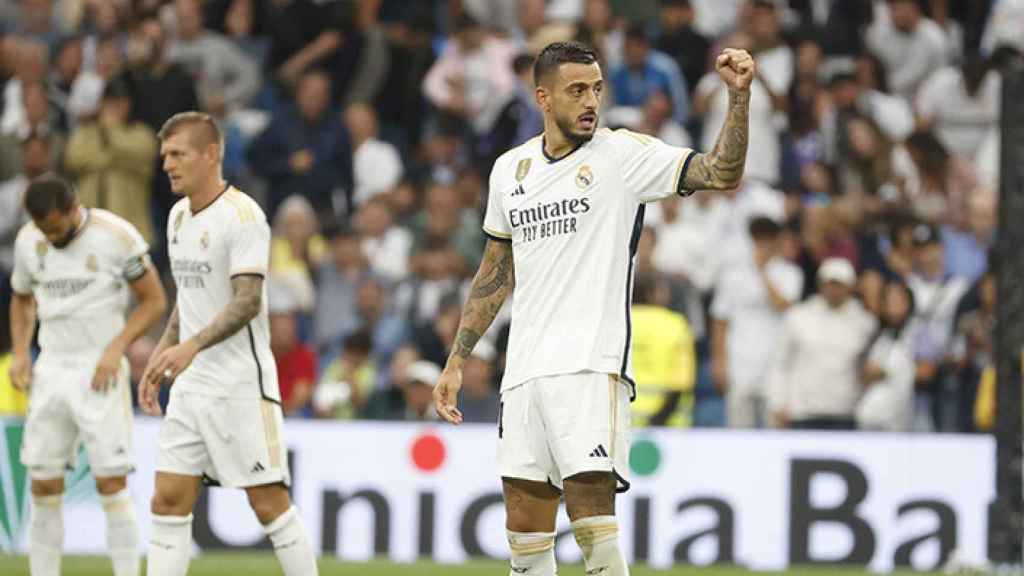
837 270
423 371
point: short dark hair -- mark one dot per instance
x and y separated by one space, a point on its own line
47 193
208 133
763 228
557 53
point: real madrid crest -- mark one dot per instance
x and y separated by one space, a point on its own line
584 177
177 225
523 169
204 240
41 249
91 264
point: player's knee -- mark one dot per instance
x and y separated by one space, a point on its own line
111 485
268 503
48 487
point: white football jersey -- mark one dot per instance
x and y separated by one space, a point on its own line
227 238
574 224
81 290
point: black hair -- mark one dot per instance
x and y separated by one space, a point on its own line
47 193
762 228
645 288
360 342
522 62
555 54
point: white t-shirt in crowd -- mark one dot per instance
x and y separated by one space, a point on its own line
961 122
763 152
742 300
574 224
81 290
227 238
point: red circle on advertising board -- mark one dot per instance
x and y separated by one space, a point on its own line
428 452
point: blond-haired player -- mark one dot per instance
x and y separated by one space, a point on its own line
564 216
73 270
224 420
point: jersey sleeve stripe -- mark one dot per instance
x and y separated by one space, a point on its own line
249 272
244 214
684 166
498 236
117 227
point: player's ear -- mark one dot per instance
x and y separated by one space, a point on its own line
543 97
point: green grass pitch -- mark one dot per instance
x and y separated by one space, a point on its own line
264 565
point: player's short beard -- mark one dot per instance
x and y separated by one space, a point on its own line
66 239
565 126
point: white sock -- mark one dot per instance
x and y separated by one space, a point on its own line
533 553
46 536
170 546
598 537
122 533
291 544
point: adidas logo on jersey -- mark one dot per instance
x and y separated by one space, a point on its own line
599 452
519 191
258 468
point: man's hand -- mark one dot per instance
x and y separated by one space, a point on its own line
446 395
165 367
20 372
105 376
736 67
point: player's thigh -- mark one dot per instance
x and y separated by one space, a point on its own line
523 451
174 494
105 420
49 440
529 506
245 440
587 422
181 448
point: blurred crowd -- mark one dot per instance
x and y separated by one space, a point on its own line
847 283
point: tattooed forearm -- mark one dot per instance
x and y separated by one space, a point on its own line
493 283
244 306
722 167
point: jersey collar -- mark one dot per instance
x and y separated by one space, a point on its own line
227 186
551 159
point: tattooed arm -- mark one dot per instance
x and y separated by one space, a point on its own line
247 290
494 281
722 167
172 360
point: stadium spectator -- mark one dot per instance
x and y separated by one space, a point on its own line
529 120
774 57
935 182
664 363
936 296
646 71
306 150
815 381
911 45
967 248
390 245
88 87
479 402
598 28
446 221
226 79
376 164
653 118
295 362
410 399
297 250
687 233
305 36
337 281
111 160
36 161
974 349
961 105
348 380
473 77
28 61
751 298
69 57
680 40
889 371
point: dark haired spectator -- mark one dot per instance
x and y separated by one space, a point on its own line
409 399
306 150
889 371
935 182
295 361
337 280
751 299
348 380
389 244
112 158
645 71
961 105
911 45
680 40
87 89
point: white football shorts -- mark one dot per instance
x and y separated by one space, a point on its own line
231 442
554 427
64 410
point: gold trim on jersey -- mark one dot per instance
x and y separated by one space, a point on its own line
641 138
613 416
119 230
239 202
679 171
271 433
498 234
